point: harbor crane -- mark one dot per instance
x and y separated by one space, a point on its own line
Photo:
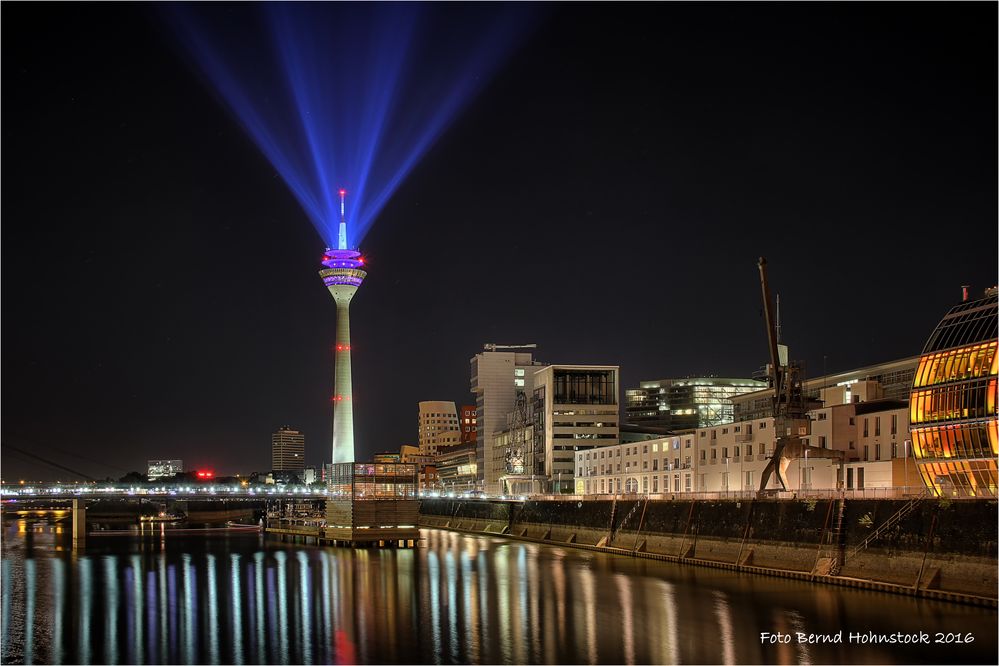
789 409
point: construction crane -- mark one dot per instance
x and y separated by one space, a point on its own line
492 346
789 410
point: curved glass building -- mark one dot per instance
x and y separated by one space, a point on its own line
952 406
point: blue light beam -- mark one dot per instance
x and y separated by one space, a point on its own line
347 95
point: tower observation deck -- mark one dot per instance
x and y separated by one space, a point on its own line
342 275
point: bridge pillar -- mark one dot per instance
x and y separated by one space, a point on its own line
79 524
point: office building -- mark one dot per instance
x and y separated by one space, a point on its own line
438 426
160 469
456 468
685 404
573 408
287 450
497 379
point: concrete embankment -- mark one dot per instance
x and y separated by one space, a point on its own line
923 547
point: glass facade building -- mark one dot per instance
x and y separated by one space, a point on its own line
952 407
685 404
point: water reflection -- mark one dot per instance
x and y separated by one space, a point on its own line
458 599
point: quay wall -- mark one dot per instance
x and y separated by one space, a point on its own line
928 547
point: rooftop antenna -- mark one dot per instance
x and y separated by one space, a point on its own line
342 236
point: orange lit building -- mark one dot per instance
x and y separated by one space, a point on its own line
952 407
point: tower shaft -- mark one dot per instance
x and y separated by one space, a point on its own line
343 405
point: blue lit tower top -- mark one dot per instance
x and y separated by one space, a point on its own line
342 276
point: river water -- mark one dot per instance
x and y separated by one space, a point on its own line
455 599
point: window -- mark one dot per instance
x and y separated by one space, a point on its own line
852 421
518 372
894 424
867 455
645 464
865 427
724 452
518 382
580 473
822 442
714 454
702 433
763 425
686 482
655 484
749 449
737 429
877 426
724 480
852 445
877 452
686 444
704 455
714 434
619 467
749 479
655 464
822 416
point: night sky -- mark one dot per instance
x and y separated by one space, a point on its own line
605 196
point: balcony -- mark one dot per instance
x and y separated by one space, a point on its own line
743 436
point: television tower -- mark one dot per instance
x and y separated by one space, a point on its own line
342 276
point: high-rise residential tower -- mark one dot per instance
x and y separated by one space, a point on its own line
287 450
342 276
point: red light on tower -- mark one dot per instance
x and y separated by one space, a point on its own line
343 192
205 474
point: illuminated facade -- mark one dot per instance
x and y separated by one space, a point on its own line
952 407
158 469
342 276
685 404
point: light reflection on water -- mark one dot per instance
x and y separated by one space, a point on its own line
456 599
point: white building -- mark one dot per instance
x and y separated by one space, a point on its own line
871 436
438 424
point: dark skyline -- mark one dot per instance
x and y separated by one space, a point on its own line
605 196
